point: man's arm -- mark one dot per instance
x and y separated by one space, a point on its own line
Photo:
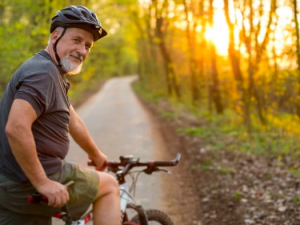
82 137
21 140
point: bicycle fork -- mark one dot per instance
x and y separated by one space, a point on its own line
127 202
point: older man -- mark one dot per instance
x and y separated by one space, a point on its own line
35 120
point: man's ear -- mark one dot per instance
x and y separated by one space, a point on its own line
54 36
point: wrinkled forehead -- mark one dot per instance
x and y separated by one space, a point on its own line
80 33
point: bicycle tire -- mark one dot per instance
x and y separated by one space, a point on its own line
155 215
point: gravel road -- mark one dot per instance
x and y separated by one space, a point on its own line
121 126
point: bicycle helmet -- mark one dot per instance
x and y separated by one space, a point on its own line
76 17
79 17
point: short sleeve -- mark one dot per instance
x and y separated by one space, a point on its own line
38 90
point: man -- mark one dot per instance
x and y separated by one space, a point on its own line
35 119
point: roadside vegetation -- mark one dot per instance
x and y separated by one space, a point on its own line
24 30
278 138
233 64
224 74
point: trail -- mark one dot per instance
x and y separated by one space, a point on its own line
121 126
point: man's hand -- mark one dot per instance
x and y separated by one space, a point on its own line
100 161
56 193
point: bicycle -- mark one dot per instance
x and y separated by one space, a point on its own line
121 169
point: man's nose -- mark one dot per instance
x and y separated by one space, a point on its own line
83 51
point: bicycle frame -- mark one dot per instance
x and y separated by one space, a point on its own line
126 201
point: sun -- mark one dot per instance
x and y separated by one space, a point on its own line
219 33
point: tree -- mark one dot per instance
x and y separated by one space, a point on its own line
235 64
214 88
295 9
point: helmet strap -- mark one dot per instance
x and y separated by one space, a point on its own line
54 47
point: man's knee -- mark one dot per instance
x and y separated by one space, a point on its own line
108 184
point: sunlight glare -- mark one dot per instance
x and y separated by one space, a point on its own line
145 2
219 33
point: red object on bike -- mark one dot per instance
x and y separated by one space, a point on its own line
58 215
30 199
87 218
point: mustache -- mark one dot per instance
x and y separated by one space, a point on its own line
77 56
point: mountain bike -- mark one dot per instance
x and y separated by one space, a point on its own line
121 169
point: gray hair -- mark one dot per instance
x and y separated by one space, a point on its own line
59 29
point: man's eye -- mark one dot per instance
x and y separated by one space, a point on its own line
76 40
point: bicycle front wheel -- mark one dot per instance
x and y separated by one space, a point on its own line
155 217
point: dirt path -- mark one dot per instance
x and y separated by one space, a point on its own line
120 125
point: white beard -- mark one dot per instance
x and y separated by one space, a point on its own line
71 67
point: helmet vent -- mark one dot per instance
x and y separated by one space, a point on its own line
94 16
85 14
72 17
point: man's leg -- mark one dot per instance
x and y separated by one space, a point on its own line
10 218
106 207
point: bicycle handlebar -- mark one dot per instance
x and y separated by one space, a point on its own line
134 162
128 162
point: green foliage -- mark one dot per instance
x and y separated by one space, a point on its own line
168 114
24 30
226 170
238 196
227 132
294 171
196 131
207 168
133 46
296 200
194 167
147 94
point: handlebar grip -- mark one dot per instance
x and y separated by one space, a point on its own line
37 198
166 163
161 163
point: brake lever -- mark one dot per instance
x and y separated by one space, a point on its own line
164 170
150 170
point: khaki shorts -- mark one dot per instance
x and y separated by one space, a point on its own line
15 209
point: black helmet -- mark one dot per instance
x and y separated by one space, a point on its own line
79 17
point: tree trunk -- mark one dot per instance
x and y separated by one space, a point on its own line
298 54
251 70
214 88
171 75
235 64
192 61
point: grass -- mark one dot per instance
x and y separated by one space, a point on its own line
168 114
280 137
294 171
194 131
238 196
296 201
207 168
222 132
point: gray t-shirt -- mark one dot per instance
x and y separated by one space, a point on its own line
41 83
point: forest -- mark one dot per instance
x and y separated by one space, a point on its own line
233 63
